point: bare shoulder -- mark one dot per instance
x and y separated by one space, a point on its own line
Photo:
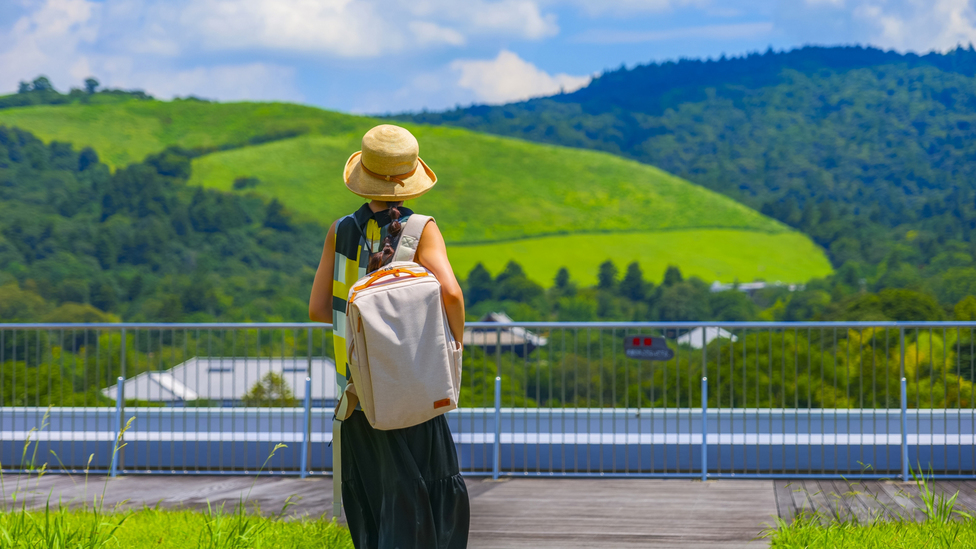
430 228
431 237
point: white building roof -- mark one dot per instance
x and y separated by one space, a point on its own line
694 337
515 335
228 378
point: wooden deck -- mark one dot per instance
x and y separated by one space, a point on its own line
865 500
543 513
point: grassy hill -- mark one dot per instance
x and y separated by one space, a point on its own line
498 199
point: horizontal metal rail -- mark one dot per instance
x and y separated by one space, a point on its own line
503 325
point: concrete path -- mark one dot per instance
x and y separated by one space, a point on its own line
514 513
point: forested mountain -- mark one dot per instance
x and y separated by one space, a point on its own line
77 242
872 153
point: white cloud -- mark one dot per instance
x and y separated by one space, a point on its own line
522 15
920 25
425 32
71 39
49 36
904 25
518 18
338 27
623 7
354 29
705 32
59 38
510 78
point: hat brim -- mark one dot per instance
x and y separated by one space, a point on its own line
375 188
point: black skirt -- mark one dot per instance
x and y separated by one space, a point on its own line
402 488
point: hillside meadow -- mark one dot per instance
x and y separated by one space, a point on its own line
704 253
493 193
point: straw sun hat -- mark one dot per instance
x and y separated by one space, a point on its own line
388 168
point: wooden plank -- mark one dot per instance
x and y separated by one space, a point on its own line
785 508
860 504
890 508
867 501
902 499
967 495
478 486
802 502
819 500
639 512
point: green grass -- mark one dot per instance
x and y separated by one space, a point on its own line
811 533
943 525
171 529
705 253
490 190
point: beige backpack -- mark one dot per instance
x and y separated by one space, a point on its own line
404 361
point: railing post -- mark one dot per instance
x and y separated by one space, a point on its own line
904 430
704 428
122 358
306 424
497 450
119 388
904 406
704 397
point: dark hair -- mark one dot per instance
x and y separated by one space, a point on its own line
385 255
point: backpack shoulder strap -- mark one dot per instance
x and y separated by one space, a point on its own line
410 237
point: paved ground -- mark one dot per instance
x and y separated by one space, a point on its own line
537 513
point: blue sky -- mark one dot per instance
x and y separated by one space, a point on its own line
378 56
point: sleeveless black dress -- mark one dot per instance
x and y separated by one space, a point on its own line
400 488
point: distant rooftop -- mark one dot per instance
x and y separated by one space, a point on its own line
751 287
516 339
227 380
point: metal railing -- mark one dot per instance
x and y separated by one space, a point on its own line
757 400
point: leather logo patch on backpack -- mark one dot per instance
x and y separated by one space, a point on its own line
442 403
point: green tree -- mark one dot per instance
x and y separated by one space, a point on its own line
672 276
511 270
633 286
607 275
512 285
17 304
272 391
900 304
563 285
275 218
74 291
78 313
733 306
965 309
562 278
479 285
806 305
41 83
576 309
955 284
105 297
91 85
684 301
